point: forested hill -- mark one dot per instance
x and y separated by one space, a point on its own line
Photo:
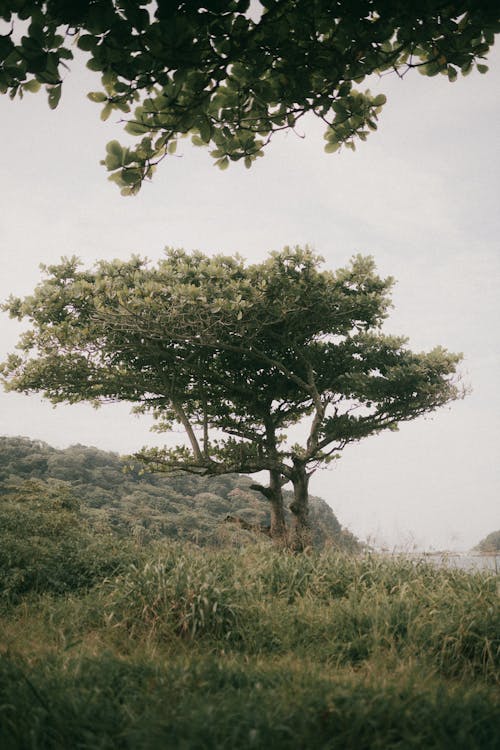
150 506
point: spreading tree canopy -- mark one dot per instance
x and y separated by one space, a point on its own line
232 73
238 355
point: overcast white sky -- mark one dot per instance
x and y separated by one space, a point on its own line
421 195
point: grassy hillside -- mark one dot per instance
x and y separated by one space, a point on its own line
151 506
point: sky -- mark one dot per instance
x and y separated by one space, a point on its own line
421 196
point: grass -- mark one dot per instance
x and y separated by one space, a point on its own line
253 648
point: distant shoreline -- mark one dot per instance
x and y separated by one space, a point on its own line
464 560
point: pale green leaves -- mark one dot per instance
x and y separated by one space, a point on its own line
202 340
116 155
222 163
97 96
32 86
332 144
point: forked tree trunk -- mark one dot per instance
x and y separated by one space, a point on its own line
278 523
301 529
274 494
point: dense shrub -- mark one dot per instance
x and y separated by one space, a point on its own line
47 546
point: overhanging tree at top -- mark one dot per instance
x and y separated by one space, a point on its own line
238 355
231 73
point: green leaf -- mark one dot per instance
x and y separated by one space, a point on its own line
482 68
136 128
205 131
87 42
115 155
112 162
379 100
106 111
94 64
113 147
330 148
54 95
97 96
131 176
32 86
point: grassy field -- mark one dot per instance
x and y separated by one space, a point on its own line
179 647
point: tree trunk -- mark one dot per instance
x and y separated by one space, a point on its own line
301 530
278 523
274 494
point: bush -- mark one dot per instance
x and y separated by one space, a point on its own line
46 546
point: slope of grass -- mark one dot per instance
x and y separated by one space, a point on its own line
253 648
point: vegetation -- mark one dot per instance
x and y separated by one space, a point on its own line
112 639
490 543
231 75
235 354
252 647
85 491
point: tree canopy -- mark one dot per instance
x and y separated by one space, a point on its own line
237 354
232 74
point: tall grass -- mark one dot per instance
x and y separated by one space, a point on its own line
190 648
214 703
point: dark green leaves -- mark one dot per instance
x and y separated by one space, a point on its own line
229 82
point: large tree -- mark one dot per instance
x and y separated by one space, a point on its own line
231 73
237 354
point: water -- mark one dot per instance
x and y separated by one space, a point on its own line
463 560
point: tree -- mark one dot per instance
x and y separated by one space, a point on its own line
236 354
231 73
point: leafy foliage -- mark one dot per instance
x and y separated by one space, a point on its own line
236 354
47 545
231 75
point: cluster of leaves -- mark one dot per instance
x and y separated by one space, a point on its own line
111 494
232 75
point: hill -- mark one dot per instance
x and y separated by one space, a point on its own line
490 543
112 491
